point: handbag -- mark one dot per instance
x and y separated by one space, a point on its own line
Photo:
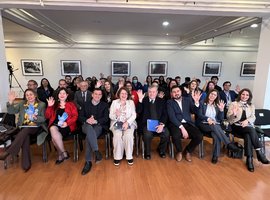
237 155
118 125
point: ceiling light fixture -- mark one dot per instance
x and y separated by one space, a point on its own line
167 34
165 23
254 25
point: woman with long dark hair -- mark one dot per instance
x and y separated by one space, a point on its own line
45 90
241 115
62 114
209 117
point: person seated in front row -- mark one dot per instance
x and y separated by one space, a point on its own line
241 115
180 124
31 116
209 117
123 124
95 119
153 108
62 114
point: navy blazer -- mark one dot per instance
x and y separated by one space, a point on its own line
232 93
143 109
201 114
175 115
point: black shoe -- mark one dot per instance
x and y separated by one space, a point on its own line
98 156
261 157
59 161
232 147
27 169
147 157
87 167
116 162
4 155
162 154
130 161
67 156
214 160
249 164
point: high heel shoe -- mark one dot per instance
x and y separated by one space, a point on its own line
261 157
249 164
65 155
60 159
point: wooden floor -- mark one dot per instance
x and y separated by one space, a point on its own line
155 179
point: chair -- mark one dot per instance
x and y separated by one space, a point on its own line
262 124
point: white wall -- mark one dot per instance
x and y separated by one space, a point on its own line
94 61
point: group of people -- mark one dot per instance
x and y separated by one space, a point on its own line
158 107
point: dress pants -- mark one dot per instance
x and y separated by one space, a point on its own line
92 133
22 140
123 141
218 136
148 136
193 133
251 139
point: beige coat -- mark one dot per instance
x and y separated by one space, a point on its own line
250 113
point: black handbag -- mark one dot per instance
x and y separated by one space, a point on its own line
239 154
118 125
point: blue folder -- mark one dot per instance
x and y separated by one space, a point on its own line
152 124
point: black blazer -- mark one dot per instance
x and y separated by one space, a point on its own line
100 113
200 117
143 109
175 115
79 101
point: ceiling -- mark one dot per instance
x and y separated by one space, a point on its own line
79 26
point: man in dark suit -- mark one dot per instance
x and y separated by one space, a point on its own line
180 123
154 108
228 95
95 118
83 95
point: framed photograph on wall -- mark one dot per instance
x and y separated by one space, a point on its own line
158 68
71 67
211 68
32 67
248 69
121 68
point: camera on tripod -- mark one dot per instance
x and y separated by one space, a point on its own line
10 67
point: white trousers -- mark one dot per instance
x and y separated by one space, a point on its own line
123 141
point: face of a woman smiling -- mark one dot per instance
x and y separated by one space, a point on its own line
62 95
123 95
244 96
30 97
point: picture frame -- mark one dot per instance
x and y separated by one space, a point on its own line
248 69
120 68
158 68
211 68
31 67
71 67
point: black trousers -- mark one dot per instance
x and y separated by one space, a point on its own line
251 139
193 133
148 136
22 140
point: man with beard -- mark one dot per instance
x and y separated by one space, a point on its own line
180 123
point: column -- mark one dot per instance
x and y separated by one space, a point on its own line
4 84
261 88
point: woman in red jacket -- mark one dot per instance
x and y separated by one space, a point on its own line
62 115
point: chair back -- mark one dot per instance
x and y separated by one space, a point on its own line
8 119
262 117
